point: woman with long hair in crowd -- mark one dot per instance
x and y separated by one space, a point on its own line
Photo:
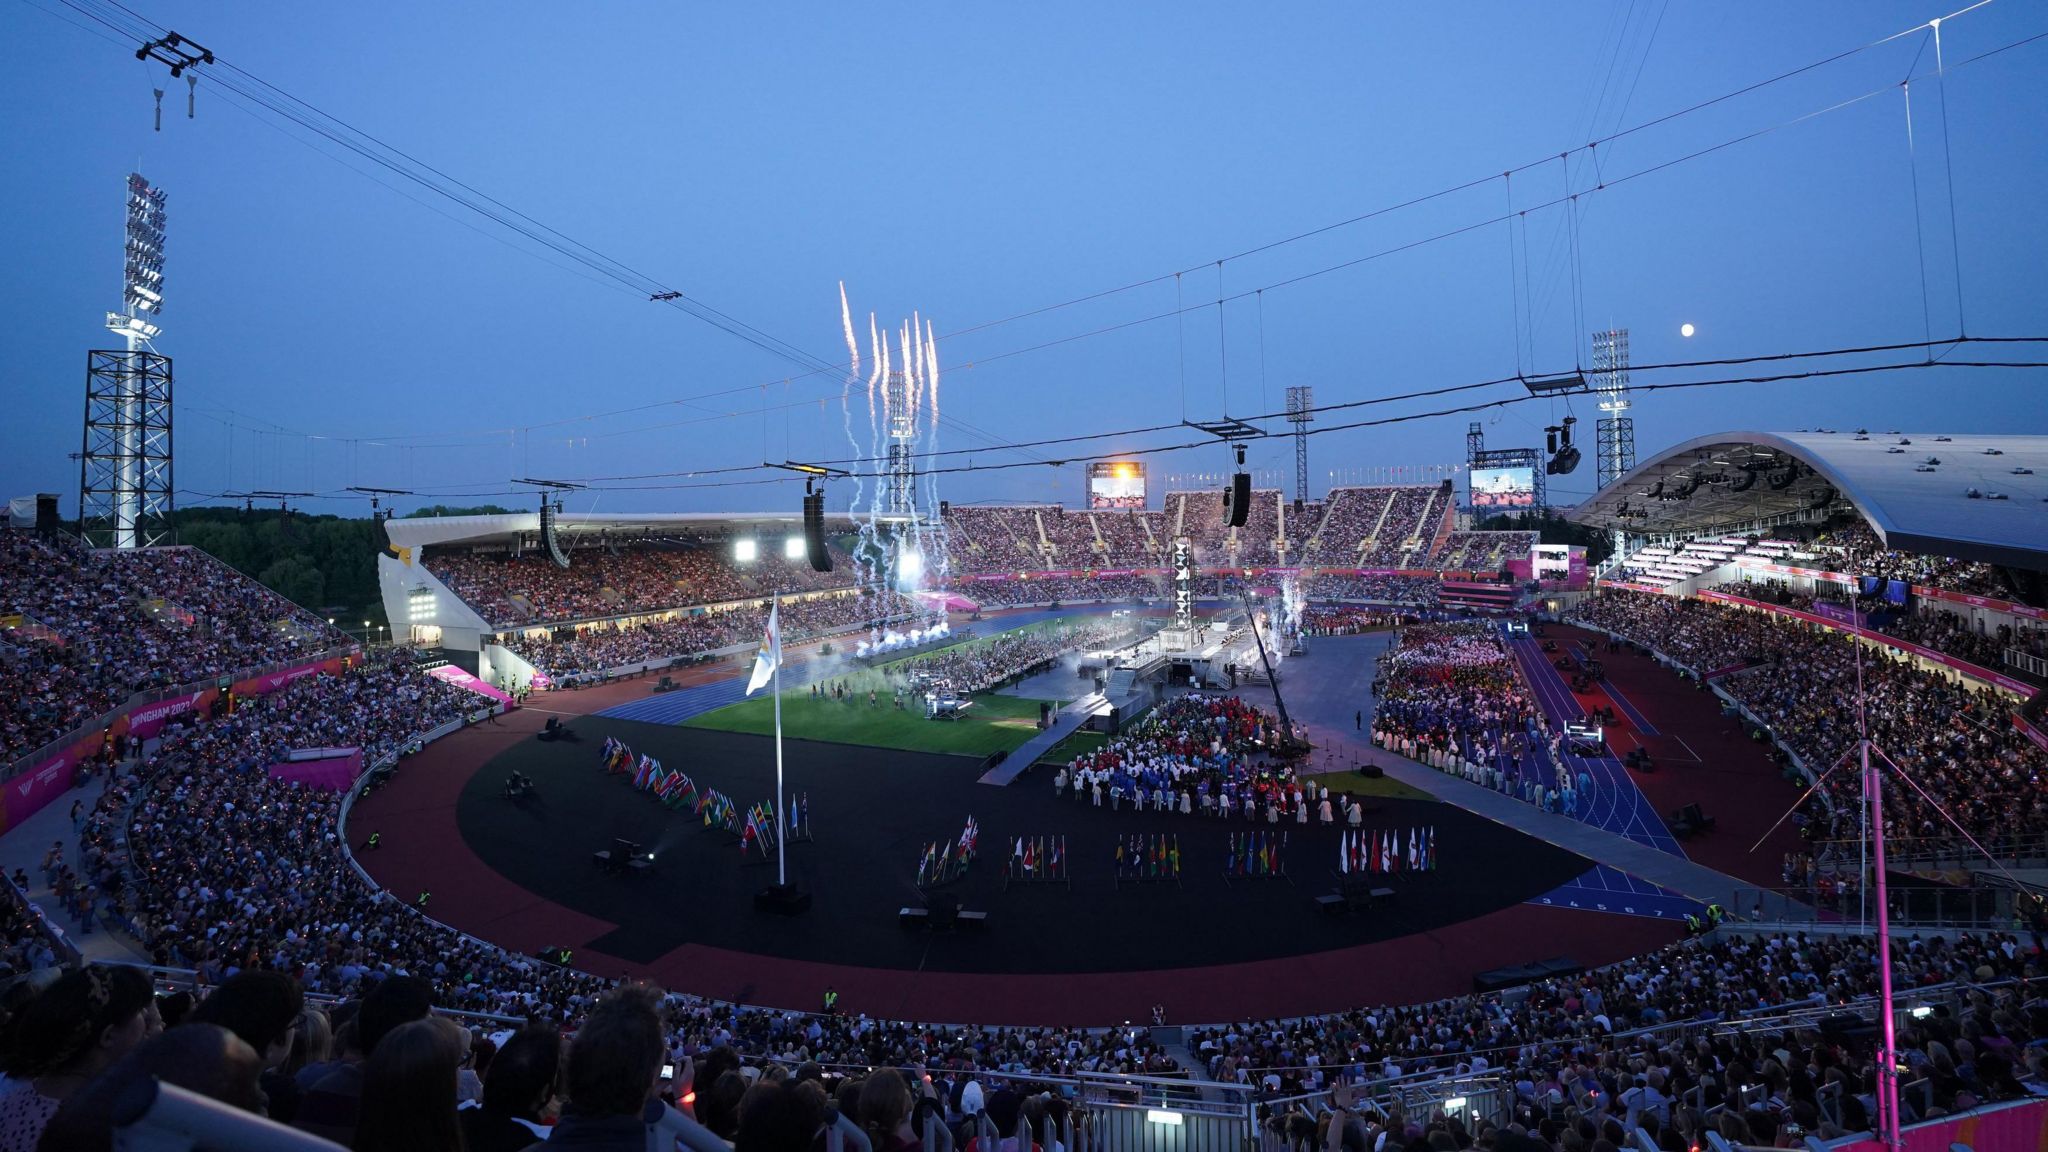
409 1089
71 1032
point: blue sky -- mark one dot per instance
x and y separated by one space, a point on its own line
975 162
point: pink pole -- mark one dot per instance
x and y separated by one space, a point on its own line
1887 1057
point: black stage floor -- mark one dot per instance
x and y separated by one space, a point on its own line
873 810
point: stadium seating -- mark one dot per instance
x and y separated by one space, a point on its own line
92 629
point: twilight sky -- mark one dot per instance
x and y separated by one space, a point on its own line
334 324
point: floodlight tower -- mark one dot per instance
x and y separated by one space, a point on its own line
1301 404
124 483
1616 443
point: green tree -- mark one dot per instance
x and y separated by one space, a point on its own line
450 510
296 579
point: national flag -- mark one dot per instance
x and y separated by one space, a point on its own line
1386 853
769 658
1174 855
1119 855
747 836
1344 854
640 777
1429 857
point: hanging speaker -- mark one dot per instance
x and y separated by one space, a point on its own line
1238 502
814 532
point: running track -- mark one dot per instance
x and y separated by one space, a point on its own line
1615 804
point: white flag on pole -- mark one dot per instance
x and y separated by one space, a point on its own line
770 656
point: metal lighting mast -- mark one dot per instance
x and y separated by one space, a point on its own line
1300 412
1616 443
902 443
124 484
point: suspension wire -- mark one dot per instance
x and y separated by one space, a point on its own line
1264 398
1222 348
1955 244
1919 241
1181 333
1514 293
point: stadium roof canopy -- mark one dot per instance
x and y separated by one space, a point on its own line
583 530
1915 489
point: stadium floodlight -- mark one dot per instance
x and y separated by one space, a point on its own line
792 547
745 549
135 326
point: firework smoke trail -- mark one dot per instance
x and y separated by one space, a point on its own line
846 390
879 373
944 549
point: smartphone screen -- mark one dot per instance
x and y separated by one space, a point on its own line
668 1071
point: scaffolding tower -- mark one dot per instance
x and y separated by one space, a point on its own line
125 493
1615 447
1617 431
902 444
1301 402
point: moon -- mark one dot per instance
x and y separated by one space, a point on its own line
1685 330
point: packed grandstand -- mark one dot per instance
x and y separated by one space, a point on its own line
192 847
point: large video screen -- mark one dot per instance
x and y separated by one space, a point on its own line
1503 487
1116 484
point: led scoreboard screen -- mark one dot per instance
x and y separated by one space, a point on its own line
1116 484
1503 488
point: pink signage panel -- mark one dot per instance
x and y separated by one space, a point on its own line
329 773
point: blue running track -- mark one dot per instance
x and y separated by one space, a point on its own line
1613 804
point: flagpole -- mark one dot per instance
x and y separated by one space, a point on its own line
774 612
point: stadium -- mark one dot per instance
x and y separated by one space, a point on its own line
814 764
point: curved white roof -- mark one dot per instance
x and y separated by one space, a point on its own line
1913 488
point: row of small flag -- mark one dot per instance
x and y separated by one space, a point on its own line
1039 857
1149 854
945 861
1257 853
1387 852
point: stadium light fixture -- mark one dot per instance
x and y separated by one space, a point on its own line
745 549
792 547
135 326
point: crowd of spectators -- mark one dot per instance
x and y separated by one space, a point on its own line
1483 551
1388 588
1062 590
605 581
1584 1068
1407 534
1348 619
598 648
978 666
98 627
1855 549
1718 1034
990 538
1953 740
